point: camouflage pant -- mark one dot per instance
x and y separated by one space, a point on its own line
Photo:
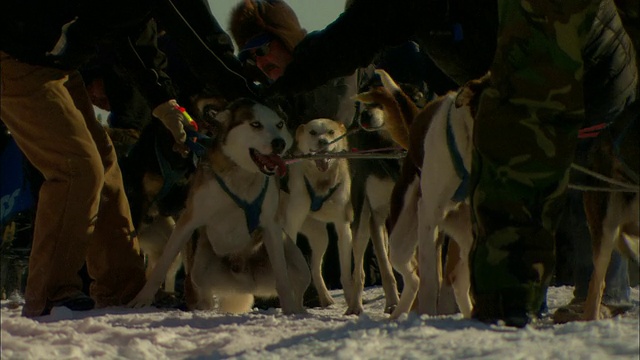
525 136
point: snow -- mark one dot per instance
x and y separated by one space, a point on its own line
150 333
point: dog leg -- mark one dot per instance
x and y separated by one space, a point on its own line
380 241
345 252
457 224
274 243
360 242
180 235
298 272
402 245
316 233
606 239
205 264
170 279
447 262
427 254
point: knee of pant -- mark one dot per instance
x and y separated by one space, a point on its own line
87 171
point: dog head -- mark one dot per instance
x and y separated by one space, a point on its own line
321 136
254 136
380 91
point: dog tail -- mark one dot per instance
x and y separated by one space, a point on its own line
399 109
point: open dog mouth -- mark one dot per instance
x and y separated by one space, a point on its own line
269 164
322 164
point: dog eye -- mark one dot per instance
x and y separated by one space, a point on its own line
313 132
280 125
256 124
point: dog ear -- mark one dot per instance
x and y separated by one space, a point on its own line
471 91
299 131
223 120
343 130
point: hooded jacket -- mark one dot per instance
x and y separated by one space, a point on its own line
252 19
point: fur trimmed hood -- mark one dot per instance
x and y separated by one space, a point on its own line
252 18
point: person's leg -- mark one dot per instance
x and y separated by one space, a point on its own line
519 179
38 110
113 258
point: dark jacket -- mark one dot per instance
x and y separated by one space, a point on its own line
29 31
459 36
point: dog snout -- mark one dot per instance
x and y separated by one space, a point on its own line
322 142
278 145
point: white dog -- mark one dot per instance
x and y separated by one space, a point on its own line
320 193
233 202
431 197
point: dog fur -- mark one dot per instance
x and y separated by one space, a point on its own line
320 193
233 262
613 216
424 192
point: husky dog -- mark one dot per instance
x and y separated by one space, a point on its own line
233 199
320 193
429 195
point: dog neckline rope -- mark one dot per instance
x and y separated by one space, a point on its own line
318 201
251 210
463 189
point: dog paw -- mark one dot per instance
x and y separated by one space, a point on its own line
295 311
354 310
326 301
389 309
143 299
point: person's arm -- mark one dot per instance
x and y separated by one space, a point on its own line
204 45
350 42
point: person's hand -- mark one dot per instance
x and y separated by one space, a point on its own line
173 119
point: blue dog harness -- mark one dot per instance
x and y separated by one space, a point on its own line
318 201
463 189
251 210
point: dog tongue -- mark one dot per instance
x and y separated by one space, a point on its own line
281 167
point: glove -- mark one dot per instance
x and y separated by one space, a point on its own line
171 116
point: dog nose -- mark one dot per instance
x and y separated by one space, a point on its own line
278 145
323 142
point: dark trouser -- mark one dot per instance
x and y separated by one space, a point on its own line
525 135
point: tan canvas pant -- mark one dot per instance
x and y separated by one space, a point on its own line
83 213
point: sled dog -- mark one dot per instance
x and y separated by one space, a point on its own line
233 199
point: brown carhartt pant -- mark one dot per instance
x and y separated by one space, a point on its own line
83 213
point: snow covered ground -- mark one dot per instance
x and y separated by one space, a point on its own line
119 333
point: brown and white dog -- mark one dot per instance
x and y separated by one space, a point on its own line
613 216
233 201
372 184
320 193
425 198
